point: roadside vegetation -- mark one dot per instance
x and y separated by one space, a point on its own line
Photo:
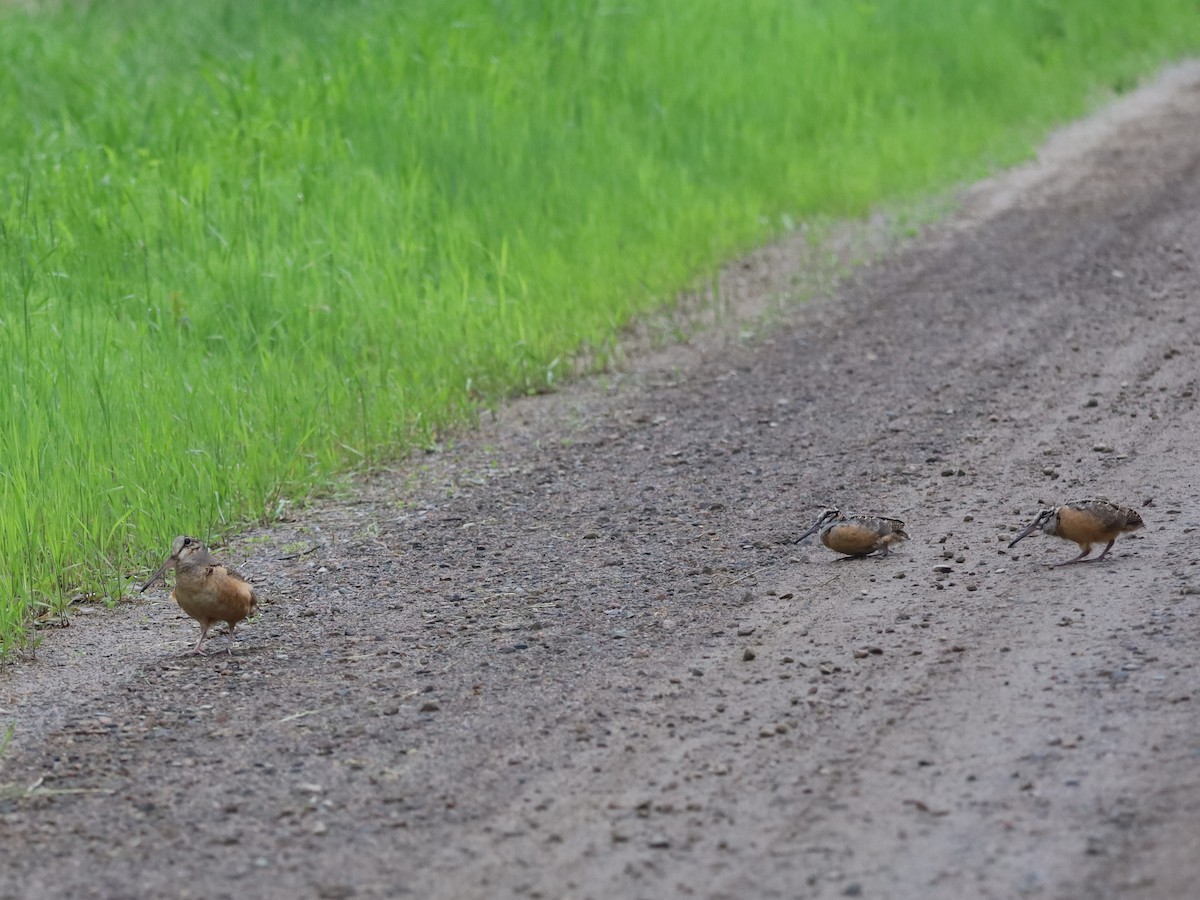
247 246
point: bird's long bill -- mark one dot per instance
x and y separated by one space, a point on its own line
812 530
157 575
1026 533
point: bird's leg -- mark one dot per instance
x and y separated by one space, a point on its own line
851 556
230 648
198 650
1103 552
1079 558
883 550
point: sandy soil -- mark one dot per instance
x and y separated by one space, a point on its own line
578 656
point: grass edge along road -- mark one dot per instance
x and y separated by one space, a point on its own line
245 247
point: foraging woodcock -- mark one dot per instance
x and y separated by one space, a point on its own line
1086 522
857 536
206 590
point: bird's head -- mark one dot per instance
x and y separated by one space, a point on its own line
185 546
1046 520
182 548
826 516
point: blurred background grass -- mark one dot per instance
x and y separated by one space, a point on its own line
245 246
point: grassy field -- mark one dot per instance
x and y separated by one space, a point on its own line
245 246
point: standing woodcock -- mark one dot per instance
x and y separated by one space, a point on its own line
857 536
206 590
1086 522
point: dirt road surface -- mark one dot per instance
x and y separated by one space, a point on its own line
578 656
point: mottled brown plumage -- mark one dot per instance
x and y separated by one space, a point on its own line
1086 522
206 590
857 536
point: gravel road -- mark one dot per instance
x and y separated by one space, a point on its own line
578 655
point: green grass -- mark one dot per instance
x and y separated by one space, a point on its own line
247 245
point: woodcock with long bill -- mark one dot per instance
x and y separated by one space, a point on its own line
206 590
1086 522
857 536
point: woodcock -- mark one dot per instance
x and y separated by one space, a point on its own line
1086 522
857 536
206 590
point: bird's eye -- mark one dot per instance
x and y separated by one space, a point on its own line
187 541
